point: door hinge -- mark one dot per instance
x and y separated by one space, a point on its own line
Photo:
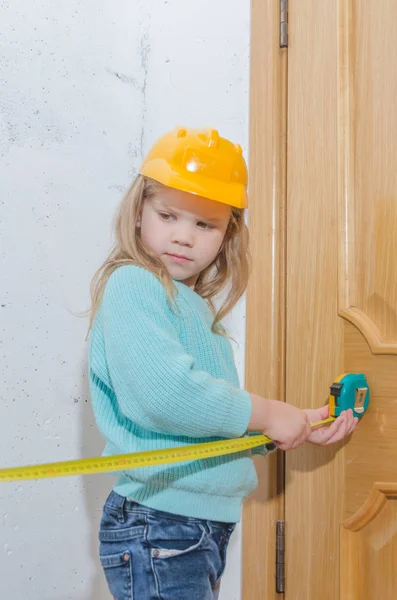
280 556
283 23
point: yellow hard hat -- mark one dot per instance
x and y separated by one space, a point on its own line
199 162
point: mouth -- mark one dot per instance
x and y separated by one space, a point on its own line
178 258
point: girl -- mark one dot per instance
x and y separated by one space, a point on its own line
162 373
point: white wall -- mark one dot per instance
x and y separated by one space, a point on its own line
86 87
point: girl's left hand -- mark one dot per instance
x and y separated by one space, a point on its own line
343 425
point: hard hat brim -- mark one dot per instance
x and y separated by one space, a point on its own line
230 193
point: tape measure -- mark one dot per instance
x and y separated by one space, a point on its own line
349 390
123 462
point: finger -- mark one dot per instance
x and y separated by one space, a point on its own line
341 433
283 447
353 426
349 423
344 425
304 437
325 435
336 426
291 445
296 444
352 422
317 414
324 411
336 438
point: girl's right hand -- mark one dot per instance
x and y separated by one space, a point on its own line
286 425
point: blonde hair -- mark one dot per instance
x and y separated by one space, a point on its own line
229 268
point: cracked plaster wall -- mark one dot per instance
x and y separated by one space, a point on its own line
86 87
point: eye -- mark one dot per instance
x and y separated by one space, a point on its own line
203 225
166 216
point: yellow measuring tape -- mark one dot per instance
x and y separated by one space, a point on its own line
123 462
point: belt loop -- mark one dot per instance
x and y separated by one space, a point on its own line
120 511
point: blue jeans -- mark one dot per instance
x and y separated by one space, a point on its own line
152 555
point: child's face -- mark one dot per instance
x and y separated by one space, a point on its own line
184 230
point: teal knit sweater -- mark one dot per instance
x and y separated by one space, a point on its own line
160 378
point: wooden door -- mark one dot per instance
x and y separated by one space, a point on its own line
340 242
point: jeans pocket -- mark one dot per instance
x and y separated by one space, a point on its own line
222 538
169 539
183 561
118 573
117 537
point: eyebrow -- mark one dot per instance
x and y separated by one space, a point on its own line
214 219
165 206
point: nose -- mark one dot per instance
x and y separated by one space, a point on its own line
183 236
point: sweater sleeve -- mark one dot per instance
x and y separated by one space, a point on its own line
154 379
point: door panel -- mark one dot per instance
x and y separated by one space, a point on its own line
314 355
371 454
339 309
367 76
369 548
341 515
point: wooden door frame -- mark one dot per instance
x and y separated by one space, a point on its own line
265 321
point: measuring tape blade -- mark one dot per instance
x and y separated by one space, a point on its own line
123 462
322 423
